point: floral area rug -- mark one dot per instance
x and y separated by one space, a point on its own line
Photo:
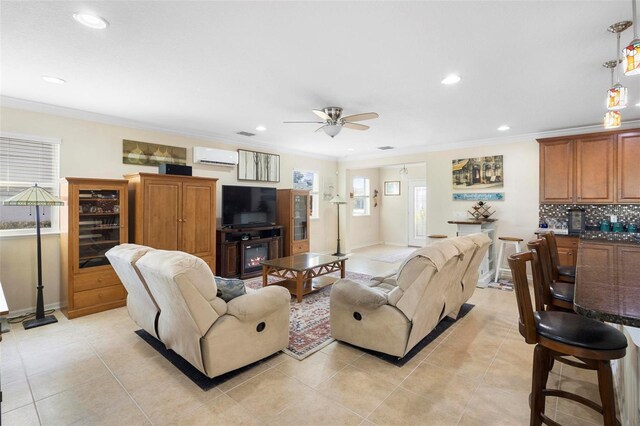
309 325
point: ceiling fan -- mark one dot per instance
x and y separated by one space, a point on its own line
334 121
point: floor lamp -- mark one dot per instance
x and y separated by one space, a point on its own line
36 196
337 200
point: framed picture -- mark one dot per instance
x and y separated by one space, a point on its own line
302 180
150 154
258 166
477 173
392 187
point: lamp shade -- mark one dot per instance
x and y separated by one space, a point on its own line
338 200
612 120
617 97
632 58
33 196
332 129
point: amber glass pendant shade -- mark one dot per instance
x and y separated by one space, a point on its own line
617 97
612 120
632 58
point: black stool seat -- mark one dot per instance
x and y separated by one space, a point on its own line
567 271
576 330
562 291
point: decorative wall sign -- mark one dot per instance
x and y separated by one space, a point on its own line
302 180
478 173
392 187
478 196
151 154
258 166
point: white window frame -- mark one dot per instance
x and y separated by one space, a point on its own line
54 183
366 197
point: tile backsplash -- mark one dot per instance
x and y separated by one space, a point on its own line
594 213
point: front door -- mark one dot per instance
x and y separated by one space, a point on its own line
417 197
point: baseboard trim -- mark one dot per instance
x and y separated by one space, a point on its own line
371 243
24 311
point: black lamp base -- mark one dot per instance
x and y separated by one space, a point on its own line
338 254
49 319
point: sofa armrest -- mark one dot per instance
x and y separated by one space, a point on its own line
356 294
255 305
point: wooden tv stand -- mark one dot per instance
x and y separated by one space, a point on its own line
240 250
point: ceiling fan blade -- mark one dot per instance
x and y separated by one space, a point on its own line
360 117
321 127
298 122
355 126
322 114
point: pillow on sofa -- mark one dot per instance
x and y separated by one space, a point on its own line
229 288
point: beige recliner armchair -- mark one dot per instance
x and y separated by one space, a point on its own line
142 308
392 314
211 334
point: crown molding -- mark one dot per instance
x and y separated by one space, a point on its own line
475 143
23 104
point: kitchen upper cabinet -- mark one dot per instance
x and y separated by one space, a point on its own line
595 170
598 168
628 147
556 171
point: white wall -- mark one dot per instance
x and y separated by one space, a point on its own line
517 215
363 231
91 149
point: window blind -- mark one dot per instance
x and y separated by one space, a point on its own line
25 161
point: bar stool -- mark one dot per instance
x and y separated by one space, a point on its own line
561 334
554 296
566 273
506 240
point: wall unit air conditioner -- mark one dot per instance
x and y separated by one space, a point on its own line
219 157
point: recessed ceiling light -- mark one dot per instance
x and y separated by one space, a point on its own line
451 79
638 104
261 128
350 150
504 128
54 80
91 21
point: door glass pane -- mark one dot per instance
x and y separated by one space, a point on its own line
300 217
98 225
420 213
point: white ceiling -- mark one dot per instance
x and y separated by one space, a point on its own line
216 68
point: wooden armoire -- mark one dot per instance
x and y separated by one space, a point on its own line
294 211
171 212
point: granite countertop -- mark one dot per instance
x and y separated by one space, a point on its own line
607 277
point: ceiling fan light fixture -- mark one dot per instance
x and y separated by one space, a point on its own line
92 21
612 120
332 129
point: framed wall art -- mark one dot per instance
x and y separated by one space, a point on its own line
392 187
151 154
258 166
478 173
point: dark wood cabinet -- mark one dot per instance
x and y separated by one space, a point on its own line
294 214
598 168
240 250
174 213
628 155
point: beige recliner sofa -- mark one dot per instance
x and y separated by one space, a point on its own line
212 335
392 314
142 308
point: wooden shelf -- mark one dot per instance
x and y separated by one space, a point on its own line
100 228
98 256
99 214
98 199
93 243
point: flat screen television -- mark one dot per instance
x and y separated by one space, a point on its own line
246 206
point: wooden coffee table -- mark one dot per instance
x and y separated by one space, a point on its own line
298 272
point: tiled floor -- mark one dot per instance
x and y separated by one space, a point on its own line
95 370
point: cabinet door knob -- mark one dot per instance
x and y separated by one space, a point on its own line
184 220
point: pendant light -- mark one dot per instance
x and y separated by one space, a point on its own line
617 94
612 119
632 51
